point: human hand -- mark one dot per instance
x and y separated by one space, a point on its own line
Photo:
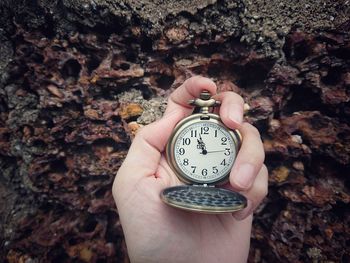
155 232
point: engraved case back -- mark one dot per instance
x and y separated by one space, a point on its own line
204 199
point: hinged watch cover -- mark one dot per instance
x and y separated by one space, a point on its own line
204 199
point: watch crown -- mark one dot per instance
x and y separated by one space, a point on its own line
205 95
204 102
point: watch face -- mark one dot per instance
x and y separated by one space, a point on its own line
203 151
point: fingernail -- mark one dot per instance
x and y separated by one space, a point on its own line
240 215
244 176
235 113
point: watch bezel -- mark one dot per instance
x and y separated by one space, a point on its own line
192 119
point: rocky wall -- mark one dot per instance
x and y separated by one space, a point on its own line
78 78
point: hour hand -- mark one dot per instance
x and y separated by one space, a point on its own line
200 144
200 137
200 140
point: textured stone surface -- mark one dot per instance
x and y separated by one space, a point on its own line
79 78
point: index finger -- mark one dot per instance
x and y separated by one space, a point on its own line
190 89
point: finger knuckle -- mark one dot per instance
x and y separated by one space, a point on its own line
232 96
260 158
239 98
264 189
254 130
192 79
262 154
264 169
260 194
256 159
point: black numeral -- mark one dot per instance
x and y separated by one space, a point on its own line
194 169
181 151
215 170
193 133
216 133
227 151
204 130
223 162
185 161
186 141
223 141
204 172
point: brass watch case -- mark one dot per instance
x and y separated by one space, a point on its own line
188 121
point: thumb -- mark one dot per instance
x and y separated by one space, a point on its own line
145 151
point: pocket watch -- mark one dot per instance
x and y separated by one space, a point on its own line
201 151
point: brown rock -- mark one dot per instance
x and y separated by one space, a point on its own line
55 91
176 34
130 111
280 174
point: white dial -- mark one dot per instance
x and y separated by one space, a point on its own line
204 152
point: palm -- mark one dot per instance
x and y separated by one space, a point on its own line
177 235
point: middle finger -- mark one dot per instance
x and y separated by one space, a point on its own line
249 160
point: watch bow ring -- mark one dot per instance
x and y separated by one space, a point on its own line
201 151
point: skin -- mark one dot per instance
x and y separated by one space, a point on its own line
155 232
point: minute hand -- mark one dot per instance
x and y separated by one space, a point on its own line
216 151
